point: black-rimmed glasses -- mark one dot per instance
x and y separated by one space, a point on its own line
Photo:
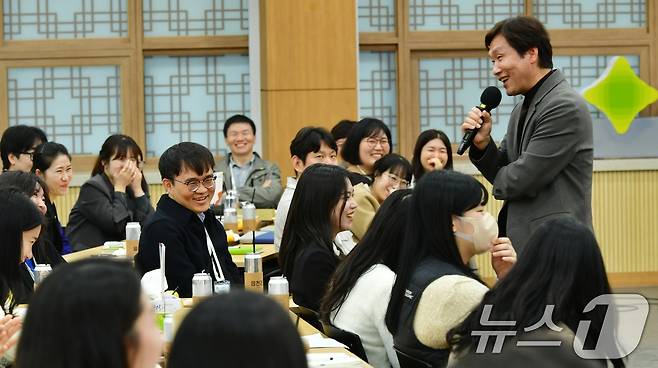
194 184
31 154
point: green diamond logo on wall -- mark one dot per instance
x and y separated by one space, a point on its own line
620 94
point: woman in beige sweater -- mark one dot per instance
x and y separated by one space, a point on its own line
390 173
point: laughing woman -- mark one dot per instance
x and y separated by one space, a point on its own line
115 195
432 151
368 141
32 186
52 163
18 233
390 173
322 206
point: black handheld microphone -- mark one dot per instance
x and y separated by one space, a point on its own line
489 100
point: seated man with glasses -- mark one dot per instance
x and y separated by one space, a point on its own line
17 147
391 172
256 180
195 241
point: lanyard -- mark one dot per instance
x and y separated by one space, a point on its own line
217 269
30 270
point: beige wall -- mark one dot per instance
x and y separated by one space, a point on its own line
625 214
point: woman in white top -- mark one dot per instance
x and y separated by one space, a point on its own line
361 286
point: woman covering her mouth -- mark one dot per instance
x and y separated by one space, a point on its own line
115 195
433 151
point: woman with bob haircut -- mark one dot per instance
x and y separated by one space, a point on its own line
432 151
322 206
390 173
116 194
262 336
52 163
561 266
103 320
360 288
435 287
368 141
18 233
32 186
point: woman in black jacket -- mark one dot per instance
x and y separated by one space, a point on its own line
322 206
44 250
18 233
52 163
115 195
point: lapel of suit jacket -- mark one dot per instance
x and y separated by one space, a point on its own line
548 85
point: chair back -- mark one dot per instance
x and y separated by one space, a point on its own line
349 339
408 361
308 315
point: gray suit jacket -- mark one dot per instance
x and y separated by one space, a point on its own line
550 174
253 190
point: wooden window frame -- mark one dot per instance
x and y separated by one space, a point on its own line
411 46
127 52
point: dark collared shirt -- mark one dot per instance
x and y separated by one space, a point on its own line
182 233
240 173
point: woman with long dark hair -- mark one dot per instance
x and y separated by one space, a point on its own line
18 232
435 287
562 267
44 251
321 207
116 194
368 141
390 173
212 336
52 163
432 151
103 319
360 288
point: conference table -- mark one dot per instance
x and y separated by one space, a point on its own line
265 217
305 329
266 250
341 357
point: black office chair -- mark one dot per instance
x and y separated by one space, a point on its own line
350 339
408 361
308 315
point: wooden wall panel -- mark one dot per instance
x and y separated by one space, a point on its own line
65 204
310 44
624 209
308 69
285 112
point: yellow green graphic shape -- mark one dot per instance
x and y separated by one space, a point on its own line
620 94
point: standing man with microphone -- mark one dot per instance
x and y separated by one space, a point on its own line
543 166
